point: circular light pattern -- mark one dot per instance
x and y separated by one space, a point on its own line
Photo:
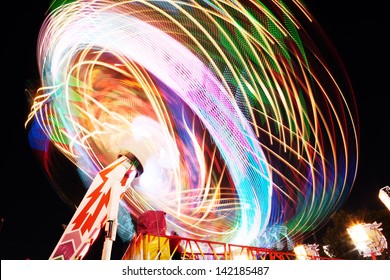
238 121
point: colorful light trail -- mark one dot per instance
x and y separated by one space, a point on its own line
240 123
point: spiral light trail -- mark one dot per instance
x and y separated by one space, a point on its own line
236 117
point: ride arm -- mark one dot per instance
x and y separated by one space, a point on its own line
99 205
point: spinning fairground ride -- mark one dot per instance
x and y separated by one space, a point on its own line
225 116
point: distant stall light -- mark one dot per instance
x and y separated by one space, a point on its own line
384 196
306 251
300 252
368 239
328 251
359 236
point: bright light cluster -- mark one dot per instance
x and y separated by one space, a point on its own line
239 122
368 238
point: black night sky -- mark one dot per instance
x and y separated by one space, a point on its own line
32 211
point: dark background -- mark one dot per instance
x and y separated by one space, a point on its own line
31 211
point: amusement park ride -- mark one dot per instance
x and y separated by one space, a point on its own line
99 208
223 101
